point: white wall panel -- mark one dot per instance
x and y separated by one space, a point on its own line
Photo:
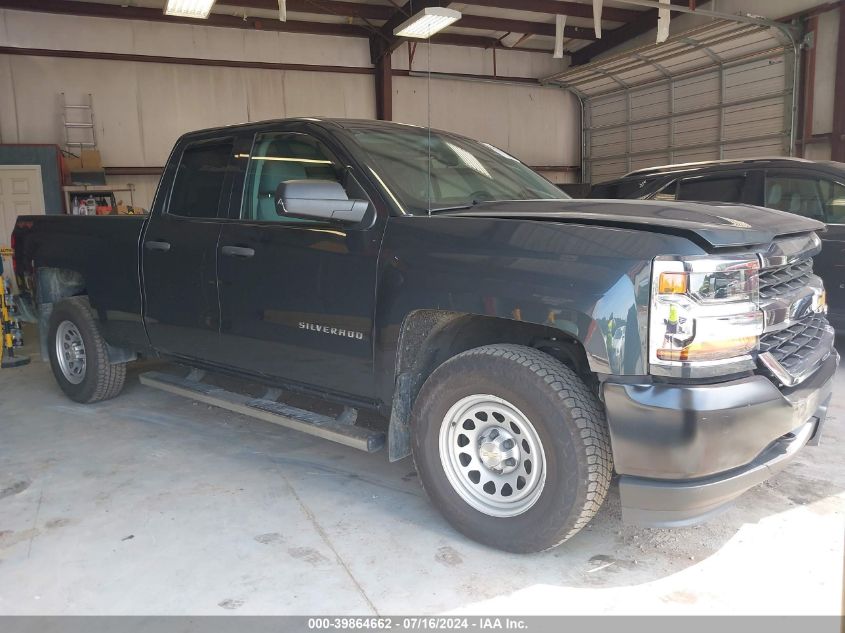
44 30
141 107
540 126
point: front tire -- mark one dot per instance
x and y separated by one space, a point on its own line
79 355
512 447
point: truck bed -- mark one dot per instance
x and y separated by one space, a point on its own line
102 249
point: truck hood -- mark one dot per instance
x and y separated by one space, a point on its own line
718 225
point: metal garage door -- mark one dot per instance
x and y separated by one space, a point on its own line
724 90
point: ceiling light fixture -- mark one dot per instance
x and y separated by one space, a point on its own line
427 22
189 8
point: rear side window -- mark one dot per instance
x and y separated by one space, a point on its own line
712 189
605 191
833 196
799 195
199 179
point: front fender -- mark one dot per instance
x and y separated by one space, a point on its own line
590 282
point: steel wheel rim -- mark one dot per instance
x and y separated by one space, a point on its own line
492 455
70 352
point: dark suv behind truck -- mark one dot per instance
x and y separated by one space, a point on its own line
520 345
813 189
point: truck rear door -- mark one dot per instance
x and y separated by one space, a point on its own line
297 296
179 255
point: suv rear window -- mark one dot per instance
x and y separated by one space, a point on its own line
727 189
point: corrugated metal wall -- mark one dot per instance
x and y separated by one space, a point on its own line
729 112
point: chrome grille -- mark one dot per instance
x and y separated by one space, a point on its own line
785 279
794 347
797 340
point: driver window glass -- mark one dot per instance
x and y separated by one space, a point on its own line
833 196
801 196
277 158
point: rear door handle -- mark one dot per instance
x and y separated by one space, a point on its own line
237 251
157 246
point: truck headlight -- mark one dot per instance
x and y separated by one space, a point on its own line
704 314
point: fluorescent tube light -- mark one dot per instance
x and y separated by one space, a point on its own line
427 22
189 8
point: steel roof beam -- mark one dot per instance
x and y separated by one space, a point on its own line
555 7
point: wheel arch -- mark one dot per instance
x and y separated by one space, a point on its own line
51 286
428 338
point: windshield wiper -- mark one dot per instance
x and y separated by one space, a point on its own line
456 208
459 207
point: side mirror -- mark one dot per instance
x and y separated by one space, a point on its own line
318 199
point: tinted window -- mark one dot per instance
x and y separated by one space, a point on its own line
795 194
605 191
425 169
711 189
833 197
667 192
276 158
199 179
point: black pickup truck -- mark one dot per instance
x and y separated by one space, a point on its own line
521 345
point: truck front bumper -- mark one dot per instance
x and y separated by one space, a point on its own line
685 451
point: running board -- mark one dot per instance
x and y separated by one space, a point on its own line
338 430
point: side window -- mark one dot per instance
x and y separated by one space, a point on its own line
199 179
833 196
605 191
712 189
277 157
635 189
795 194
667 192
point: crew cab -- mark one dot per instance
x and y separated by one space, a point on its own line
522 346
813 189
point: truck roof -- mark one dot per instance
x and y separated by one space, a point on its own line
326 122
764 161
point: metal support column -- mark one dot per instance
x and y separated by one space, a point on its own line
837 139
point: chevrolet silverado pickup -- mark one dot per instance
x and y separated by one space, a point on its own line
522 346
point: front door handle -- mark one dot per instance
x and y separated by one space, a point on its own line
237 251
152 245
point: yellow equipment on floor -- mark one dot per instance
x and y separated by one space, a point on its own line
11 328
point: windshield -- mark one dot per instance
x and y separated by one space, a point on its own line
463 172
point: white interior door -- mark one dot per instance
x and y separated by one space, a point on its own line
21 193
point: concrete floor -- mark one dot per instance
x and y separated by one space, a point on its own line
152 504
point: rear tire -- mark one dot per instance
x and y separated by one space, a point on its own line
486 412
79 355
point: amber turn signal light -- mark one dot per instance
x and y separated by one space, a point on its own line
672 283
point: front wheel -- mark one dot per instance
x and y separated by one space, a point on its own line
79 355
512 447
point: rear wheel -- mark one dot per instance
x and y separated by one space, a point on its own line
512 447
79 355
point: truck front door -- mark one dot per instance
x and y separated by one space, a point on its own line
179 250
297 296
